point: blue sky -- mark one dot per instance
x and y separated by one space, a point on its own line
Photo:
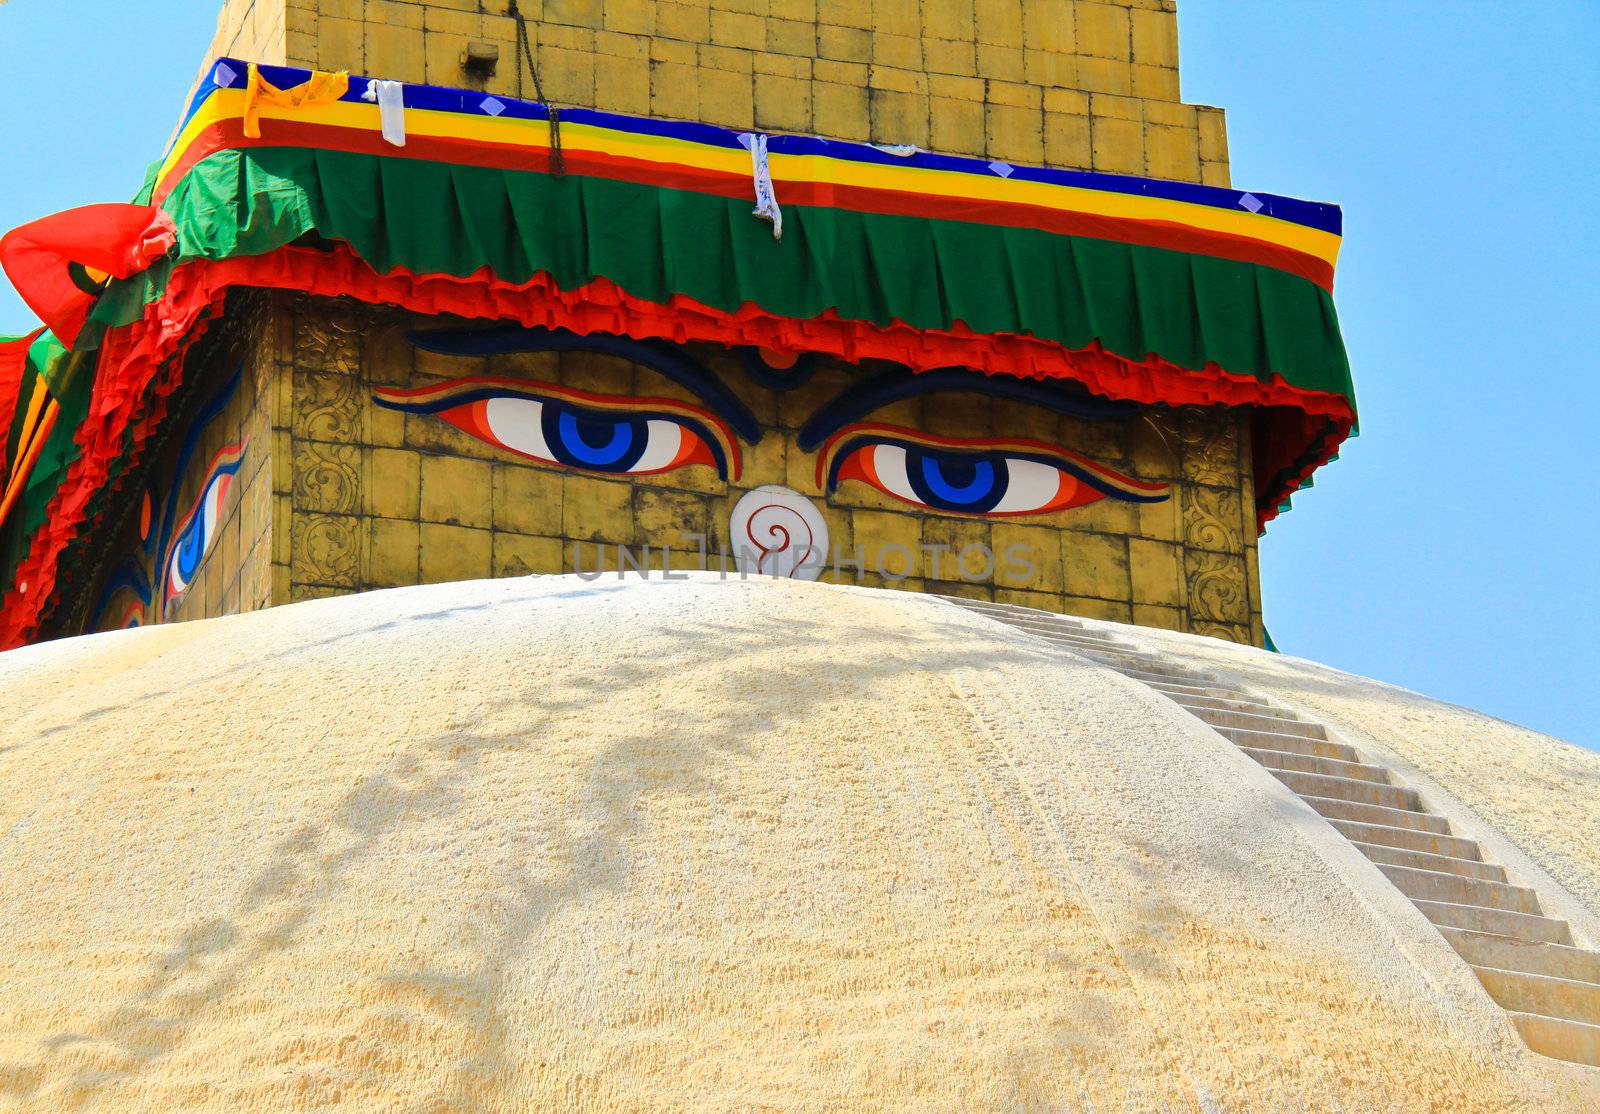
1451 550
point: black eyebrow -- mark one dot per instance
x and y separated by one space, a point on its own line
860 399
653 355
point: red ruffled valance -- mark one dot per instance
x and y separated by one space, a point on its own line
140 359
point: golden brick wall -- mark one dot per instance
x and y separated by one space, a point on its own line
254 30
235 572
380 498
234 576
338 494
1071 83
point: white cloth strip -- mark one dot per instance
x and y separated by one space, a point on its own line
390 96
766 201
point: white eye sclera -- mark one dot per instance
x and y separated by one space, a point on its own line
195 536
601 441
610 434
979 483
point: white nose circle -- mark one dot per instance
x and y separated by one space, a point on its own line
776 531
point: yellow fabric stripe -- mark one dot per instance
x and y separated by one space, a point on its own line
28 451
817 169
36 403
977 187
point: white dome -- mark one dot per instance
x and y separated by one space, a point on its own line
547 844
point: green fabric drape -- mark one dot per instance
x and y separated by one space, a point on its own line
436 218
654 243
49 357
49 470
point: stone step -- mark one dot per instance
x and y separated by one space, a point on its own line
1507 954
1334 808
1138 669
1436 885
1234 703
989 607
1046 620
1168 685
1150 669
1113 659
1026 620
1520 992
1500 922
1070 637
1311 764
1104 638
1090 645
1351 789
1250 721
1422 860
1294 744
1044 626
1121 653
1100 644
981 605
1573 1041
1524 959
1411 839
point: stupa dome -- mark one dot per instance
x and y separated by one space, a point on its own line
547 843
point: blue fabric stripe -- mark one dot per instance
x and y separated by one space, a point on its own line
1311 214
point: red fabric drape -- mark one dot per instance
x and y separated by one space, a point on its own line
58 262
147 355
13 363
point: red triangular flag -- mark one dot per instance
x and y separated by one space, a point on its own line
60 263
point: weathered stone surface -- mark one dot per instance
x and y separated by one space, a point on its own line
564 845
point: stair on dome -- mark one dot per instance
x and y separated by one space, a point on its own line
1525 960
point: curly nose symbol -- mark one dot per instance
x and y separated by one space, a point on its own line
776 531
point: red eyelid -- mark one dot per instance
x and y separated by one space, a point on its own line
858 466
693 450
470 417
1078 494
917 437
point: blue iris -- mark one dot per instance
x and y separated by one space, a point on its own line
958 480
191 547
586 439
968 482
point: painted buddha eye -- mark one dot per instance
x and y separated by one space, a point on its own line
577 429
582 438
123 599
994 477
197 529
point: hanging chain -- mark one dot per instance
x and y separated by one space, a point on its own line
558 165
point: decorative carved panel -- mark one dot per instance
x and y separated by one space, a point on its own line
327 406
325 549
1217 589
1211 519
1223 630
1209 445
327 337
327 477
